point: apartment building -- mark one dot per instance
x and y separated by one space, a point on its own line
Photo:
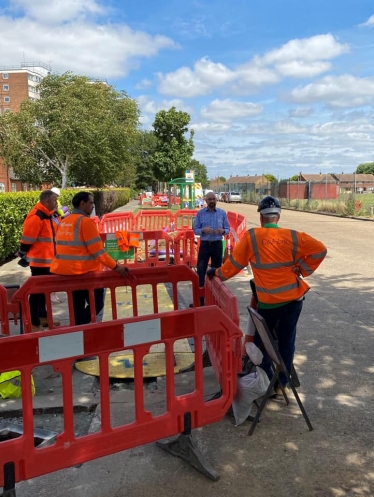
18 83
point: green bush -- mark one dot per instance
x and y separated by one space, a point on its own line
15 206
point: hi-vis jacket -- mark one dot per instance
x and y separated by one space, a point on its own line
11 385
273 253
127 239
79 248
38 236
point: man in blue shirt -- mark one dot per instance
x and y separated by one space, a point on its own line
211 225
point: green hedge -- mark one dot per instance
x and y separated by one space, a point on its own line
15 206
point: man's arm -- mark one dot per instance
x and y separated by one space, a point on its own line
31 229
197 227
226 225
238 260
310 254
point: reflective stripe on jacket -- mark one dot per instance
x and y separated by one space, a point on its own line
273 253
79 248
39 232
11 386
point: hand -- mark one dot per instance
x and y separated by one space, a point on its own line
123 271
296 270
211 273
219 231
210 231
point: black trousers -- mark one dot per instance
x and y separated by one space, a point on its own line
81 302
37 300
208 250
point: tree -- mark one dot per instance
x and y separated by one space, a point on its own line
222 179
271 178
78 129
366 168
295 177
201 173
173 153
144 148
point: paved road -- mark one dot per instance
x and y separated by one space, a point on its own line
282 459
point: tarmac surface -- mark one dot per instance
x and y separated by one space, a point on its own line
334 361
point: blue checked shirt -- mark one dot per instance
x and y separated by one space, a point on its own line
211 219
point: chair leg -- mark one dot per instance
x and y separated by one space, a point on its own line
263 403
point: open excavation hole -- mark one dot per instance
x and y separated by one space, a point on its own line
42 438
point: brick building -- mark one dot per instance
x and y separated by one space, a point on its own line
355 183
18 83
310 187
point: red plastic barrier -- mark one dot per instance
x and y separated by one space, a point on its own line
185 218
152 220
60 347
217 293
186 248
8 310
104 279
116 221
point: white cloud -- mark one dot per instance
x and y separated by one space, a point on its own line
73 42
336 91
300 112
57 11
152 107
230 110
208 127
302 68
143 84
185 82
298 58
320 47
369 23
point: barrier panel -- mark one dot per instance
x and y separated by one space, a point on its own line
185 218
20 459
217 293
186 248
152 220
110 223
110 280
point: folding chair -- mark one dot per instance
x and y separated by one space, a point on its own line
278 367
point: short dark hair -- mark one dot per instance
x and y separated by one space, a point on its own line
80 197
46 195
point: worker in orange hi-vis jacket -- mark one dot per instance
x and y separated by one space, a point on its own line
80 250
37 249
279 258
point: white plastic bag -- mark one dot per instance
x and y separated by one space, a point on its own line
250 387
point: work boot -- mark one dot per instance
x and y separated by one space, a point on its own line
35 328
44 322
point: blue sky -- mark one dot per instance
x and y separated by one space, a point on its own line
271 86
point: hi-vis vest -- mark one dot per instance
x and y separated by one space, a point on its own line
127 239
79 248
273 253
10 385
